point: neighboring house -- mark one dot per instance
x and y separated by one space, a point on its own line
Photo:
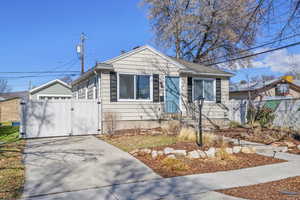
143 86
280 88
53 90
10 106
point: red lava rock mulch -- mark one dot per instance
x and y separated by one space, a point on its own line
198 166
275 190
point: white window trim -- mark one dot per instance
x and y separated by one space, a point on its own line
52 95
134 99
214 87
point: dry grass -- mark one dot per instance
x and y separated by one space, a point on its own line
187 134
129 143
11 170
171 127
174 164
223 155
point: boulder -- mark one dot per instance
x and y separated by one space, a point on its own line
202 154
154 154
172 156
168 150
180 152
147 151
193 155
134 152
246 150
229 150
160 153
210 153
289 144
236 149
298 146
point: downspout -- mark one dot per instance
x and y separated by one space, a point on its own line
99 102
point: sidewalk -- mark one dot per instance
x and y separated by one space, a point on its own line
189 187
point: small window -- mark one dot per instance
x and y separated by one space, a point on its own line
142 87
204 88
134 87
126 85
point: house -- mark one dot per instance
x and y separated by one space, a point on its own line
10 106
53 90
280 88
143 87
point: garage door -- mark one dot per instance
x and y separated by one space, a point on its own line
54 118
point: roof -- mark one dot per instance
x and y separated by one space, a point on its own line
200 69
49 84
90 72
11 95
184 66
238 87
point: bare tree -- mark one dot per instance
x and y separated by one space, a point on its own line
4 87
201 30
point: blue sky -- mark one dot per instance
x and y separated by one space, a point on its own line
41 35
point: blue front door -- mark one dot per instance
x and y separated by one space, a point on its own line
172 94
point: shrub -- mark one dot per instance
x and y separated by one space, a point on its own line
110 119
234 124
223 155
187 134
174 164
171 127
264 116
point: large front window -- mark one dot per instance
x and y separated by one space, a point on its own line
204 88
134 87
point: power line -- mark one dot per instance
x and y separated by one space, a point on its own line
252 48
256 54
40 72
36 76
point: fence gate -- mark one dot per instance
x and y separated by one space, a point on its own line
60 118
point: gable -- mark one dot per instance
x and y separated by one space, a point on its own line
145 61
55 88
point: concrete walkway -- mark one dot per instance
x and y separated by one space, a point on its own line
200 186
56 165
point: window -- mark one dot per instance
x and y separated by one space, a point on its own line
134 87
204 88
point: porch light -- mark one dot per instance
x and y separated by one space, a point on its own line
200 101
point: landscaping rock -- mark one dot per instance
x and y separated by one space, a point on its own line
134 152
202 154
246 150
154 154
147 151
210 153
289 144
180 152
168 150
160 153
252 149
193 155
298 146
236 149
172 156
229 150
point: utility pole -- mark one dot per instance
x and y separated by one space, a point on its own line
80 51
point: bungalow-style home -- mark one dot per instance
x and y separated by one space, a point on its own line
53 90
281 88
10 106
142 87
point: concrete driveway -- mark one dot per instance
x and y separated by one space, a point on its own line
56 165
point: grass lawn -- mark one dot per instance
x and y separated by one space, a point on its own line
11 166
129 143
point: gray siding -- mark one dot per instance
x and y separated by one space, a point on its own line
56 89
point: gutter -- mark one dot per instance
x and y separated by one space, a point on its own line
204 73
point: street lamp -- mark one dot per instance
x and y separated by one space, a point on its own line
200 101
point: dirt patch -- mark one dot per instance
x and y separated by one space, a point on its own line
288 189
198 166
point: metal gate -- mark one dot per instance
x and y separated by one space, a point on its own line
54 118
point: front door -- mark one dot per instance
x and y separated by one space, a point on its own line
172 94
